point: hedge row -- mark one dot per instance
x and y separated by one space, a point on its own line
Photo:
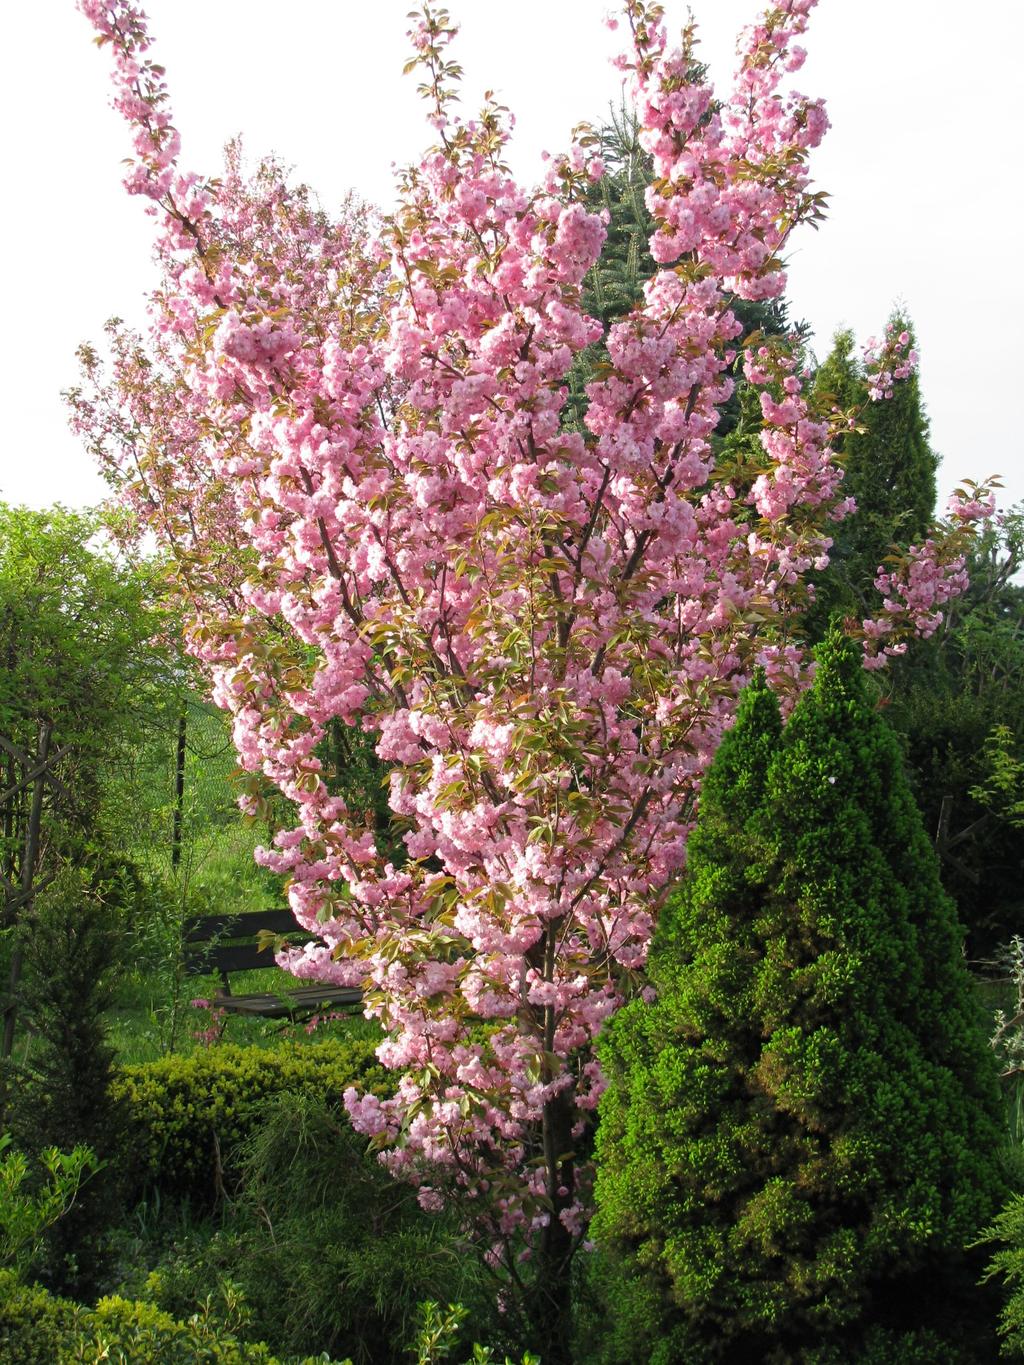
188 1117
37 1328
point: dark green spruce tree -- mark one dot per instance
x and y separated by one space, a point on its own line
957 702
889 470
61 1095
802 1133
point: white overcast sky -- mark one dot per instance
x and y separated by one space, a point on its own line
923 164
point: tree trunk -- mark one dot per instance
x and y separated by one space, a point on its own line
549 1307
552 1314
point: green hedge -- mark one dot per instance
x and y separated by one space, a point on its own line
188 1116
37 1328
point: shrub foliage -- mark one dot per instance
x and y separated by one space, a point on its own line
323 1246
39 1328
1007 1235
189 1116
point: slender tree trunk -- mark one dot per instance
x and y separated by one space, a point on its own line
8 862
553 1286
9 780
552 1308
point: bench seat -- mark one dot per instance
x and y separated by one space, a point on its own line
237 942
305 1000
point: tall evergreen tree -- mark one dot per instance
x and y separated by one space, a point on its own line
957 703
615 284
801 1134
890 471
61 1095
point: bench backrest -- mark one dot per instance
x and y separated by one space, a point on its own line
210 941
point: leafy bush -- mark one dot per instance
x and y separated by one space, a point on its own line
1007 1231
140 1334
26 1214
439 1333
38 1328
189 1116
802 1132
321 1242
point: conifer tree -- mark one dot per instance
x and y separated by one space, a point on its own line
801 1134
61 1096
614 286
890 472
957 703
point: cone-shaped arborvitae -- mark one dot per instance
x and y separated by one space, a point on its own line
889 471
802 1132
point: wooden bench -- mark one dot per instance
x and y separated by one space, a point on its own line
212 944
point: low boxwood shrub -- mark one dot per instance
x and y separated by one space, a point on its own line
188 1117
39 1328
36 1327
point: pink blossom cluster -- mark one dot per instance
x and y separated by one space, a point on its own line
731 216
928 576
887 361
350 434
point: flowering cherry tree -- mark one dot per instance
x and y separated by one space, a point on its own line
351 434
